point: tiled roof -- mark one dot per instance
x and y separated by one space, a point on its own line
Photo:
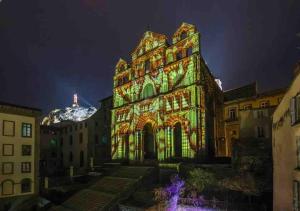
247 91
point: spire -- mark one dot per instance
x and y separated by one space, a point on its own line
75 100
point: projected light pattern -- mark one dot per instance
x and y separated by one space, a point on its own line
159 101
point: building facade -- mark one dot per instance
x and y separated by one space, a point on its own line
166 103
248 114
286 149
81 144
19 151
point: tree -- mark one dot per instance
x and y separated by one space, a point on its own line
200 179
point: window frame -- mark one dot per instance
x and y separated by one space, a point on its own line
26 145
23 182
13 150
12 168
25 170
3 128
25 124
13 187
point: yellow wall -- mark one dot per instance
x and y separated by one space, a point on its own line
234 125
285 151
17 140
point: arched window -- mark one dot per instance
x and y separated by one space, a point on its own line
147 65
189 51
71 157
81 158
25 185
169 58
183 35
148 91
179 55
7 187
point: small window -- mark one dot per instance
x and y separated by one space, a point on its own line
179 55
80 126
71 157
61 142
71 140
183 35
7 187
297 109
26 130
122 68
81 158
264 104
25 167
148 91
8 149
80 138
26 150
8 128
7 168
189 51
232 114
296 195
147 65
260 132
298 151
26 185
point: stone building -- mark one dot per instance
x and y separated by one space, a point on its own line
19 152
80 144
50 162
286 149
248 114
167 104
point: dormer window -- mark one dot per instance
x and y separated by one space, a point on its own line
147 65
183 35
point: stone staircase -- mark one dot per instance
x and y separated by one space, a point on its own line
109 190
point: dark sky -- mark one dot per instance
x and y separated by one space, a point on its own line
50 49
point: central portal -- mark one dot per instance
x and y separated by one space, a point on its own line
149 143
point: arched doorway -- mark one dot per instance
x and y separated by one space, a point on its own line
149 145
177 140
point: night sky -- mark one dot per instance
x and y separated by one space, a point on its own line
50 49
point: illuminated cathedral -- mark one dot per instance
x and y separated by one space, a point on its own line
166 103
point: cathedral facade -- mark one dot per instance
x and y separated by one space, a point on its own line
166 103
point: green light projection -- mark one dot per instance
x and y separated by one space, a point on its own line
159 89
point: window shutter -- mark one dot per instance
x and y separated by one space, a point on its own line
292 110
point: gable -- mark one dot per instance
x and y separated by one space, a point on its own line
149 41
189 29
